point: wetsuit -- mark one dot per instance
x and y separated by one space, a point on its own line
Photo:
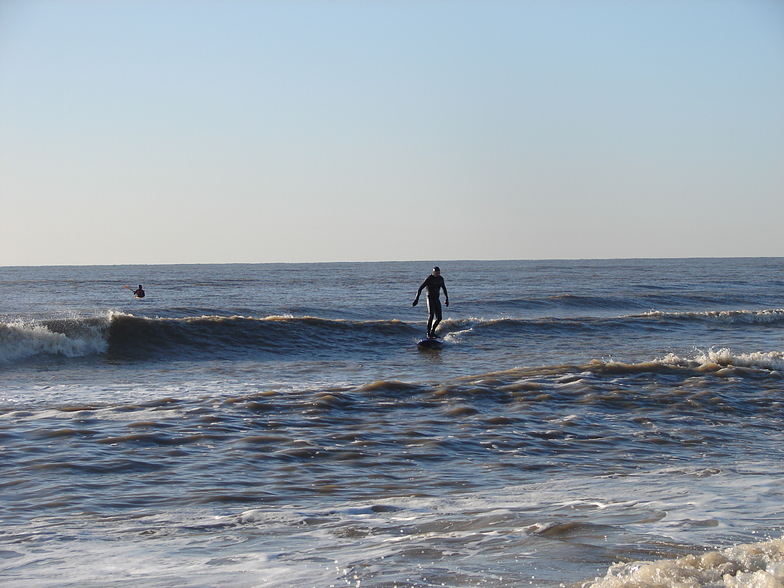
433 284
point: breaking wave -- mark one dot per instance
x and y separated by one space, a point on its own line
753 565
73 337
123 336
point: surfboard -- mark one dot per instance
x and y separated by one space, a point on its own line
429 344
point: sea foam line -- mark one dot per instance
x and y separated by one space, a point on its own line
723 316
714 359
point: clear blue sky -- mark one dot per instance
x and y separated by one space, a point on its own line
236 131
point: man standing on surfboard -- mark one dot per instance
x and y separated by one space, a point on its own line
434 282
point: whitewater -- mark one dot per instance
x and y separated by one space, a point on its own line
596 423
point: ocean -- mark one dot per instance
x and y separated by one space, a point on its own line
602 424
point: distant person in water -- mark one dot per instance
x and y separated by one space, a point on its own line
434 282
139 292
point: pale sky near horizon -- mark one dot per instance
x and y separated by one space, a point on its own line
154 131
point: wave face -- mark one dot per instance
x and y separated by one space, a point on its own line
122 336
238 337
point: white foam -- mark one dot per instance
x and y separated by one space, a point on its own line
752 565
726 316
22 339
714 359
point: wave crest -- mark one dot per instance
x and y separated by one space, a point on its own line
770 316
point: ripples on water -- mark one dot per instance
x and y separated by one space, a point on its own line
285 450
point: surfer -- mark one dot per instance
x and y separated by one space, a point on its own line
139 292
434 282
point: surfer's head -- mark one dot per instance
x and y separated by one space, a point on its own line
436 270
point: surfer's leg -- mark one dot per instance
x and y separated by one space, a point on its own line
435 313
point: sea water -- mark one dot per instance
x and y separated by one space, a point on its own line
585 423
